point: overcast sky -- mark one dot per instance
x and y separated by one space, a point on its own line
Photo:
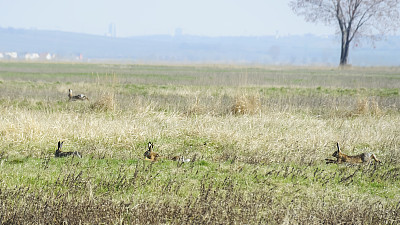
146 17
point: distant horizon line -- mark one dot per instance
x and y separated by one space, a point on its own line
170 35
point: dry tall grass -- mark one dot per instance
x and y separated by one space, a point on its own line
366 106
266 137
246 104
105 103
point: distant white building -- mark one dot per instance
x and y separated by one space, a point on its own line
32 56
112 30
49 56
46 56
1 55
11 55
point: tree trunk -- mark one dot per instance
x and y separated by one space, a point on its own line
344 53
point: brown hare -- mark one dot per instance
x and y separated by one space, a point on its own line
60 153
76 97
153 156
354 159
149 154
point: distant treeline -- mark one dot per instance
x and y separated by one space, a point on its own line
295 49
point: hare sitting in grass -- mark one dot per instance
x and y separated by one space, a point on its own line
76 97
343 158
149 154
60 153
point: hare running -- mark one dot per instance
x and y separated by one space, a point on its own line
149 154
60 153
76 97
153 156
343 158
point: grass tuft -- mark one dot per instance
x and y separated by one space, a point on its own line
246 104
105 103
367 106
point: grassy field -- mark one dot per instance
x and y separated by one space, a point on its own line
257 138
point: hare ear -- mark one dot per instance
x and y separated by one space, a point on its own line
338 147
59 145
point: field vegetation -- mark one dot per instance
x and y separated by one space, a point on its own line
257 138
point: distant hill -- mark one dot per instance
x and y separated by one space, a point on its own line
298 50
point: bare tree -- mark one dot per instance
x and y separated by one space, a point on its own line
356 18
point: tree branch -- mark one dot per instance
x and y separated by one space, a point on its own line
339 16
364 18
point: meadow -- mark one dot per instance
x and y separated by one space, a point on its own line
257 137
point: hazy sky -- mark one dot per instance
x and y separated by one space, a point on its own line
144 17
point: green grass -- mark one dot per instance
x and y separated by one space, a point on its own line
264 165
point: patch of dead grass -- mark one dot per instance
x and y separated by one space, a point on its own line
105 103
246 104
367 106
